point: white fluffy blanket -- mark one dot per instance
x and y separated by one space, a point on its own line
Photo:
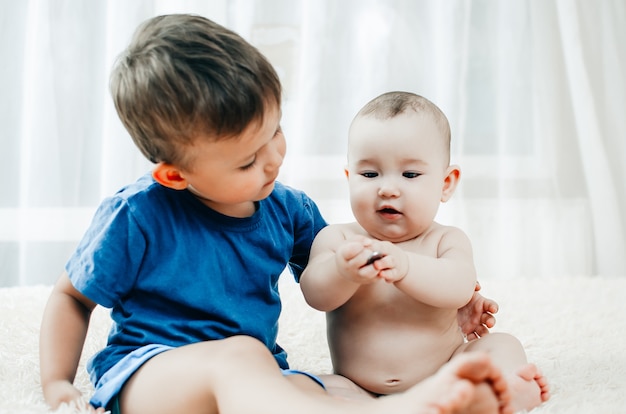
572 328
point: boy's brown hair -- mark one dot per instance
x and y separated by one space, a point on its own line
184 76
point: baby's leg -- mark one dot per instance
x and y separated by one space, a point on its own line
469 384
239 375
341 387
528 387
488 394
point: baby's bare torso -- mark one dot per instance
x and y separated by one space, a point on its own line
386 341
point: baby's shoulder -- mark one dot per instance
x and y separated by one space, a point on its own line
446 237
443 229
348 229
438 232
341 231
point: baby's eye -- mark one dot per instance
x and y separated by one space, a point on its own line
410 174
369 174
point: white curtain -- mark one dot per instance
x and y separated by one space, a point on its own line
535 92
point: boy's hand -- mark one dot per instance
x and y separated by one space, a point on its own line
60 392
476 318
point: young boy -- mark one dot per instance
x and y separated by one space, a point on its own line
188 257
392 282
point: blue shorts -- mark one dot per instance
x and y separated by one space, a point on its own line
110 384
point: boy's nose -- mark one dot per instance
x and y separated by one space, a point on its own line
275 158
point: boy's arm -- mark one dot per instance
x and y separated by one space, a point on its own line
63 331
327 281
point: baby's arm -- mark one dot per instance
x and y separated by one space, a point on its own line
63 331
336 269
444 280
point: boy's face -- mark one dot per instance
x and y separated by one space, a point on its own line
229 175
398 174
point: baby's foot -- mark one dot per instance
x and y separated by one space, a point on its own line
529 388
544 387
453 388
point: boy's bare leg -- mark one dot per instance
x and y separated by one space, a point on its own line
239 375
528 387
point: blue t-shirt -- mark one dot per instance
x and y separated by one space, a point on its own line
176 272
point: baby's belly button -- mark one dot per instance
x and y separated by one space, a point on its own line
393 382
391 386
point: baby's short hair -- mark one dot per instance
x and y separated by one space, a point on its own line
391 104
184 76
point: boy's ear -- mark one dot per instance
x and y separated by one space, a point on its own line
453 175
346 172
169 176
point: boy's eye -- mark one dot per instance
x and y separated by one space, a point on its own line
410 174
248 166
369 174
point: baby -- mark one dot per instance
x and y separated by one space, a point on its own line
391 283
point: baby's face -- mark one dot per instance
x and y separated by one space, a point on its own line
397 169
229 175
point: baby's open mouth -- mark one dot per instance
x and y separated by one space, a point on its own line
388 210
